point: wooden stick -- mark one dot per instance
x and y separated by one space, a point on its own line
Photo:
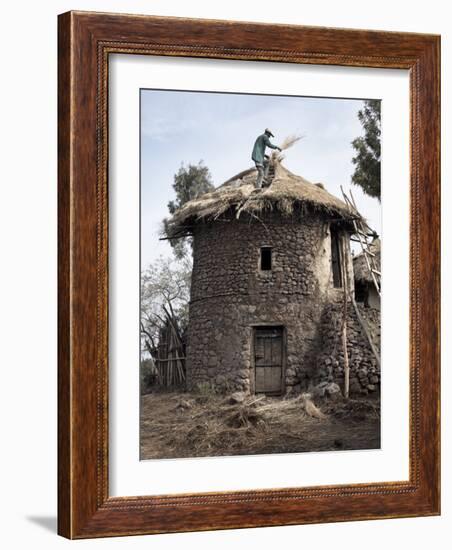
166 360
344 324
255 400
180 366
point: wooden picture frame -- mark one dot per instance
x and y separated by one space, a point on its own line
85 42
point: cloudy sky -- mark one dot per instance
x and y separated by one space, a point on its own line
220 129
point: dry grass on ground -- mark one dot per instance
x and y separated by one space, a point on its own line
177 425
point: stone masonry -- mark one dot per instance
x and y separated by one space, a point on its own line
230 295
364 369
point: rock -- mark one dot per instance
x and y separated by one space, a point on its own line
371 387
243 374
220 380
237 398
184 404
319 391
373 379
333 391
327 389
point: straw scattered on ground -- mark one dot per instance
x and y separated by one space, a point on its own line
177 425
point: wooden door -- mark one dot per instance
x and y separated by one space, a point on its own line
268 360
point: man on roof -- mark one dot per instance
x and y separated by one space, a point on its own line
262 160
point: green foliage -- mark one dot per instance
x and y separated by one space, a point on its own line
368 150
189 183
206 389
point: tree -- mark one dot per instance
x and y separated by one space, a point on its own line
368 150
165 293
189 183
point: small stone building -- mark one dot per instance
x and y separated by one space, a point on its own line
365 291
269 272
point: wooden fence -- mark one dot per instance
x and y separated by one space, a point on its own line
170 360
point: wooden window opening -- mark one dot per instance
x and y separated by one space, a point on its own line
336 258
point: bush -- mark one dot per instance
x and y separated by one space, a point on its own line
148 375
206 388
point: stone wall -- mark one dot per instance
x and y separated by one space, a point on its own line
230 295
364 369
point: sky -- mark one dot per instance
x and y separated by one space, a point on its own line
220 129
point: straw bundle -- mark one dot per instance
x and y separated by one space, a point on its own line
288 142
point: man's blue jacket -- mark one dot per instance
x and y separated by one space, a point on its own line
261 143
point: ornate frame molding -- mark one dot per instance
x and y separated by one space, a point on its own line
85 42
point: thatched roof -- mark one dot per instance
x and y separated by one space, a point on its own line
360 269
287 194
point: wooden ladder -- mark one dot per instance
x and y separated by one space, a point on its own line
270 176
364 235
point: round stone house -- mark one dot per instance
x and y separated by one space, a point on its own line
268 265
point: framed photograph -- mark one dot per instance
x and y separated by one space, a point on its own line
248 275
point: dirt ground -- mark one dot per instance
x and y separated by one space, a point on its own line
178 425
